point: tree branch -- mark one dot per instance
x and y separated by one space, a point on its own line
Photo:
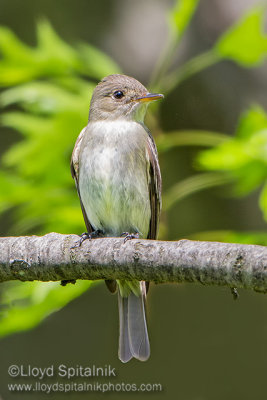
53 258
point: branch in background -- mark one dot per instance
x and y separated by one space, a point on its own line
190 68
53 258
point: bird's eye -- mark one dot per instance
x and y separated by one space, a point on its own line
118 94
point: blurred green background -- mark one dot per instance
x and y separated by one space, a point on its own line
208 58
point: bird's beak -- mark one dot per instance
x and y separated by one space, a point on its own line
149 97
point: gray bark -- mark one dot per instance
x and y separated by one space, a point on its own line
53 258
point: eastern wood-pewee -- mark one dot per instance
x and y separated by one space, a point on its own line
117 175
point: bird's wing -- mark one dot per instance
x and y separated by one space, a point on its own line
74 167
154 180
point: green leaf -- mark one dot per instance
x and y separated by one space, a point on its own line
179 17
86 59
245 155
97 64
181 14
57 53
48 98
228 156
24 305
254 119
52 57
245 42
12 49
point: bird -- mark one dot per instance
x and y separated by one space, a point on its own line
117 175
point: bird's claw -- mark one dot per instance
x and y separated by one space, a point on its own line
129 236
85 235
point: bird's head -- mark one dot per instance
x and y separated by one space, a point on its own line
120 97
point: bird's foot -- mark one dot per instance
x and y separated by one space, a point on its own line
129 236
84 236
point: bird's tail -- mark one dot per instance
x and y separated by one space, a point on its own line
133 341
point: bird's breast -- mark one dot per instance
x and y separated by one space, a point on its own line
113 177
114 148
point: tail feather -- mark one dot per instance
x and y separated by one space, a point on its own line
134 341
125 354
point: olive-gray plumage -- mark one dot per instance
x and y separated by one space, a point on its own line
117 175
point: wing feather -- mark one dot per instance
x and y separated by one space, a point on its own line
74 167
154 178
